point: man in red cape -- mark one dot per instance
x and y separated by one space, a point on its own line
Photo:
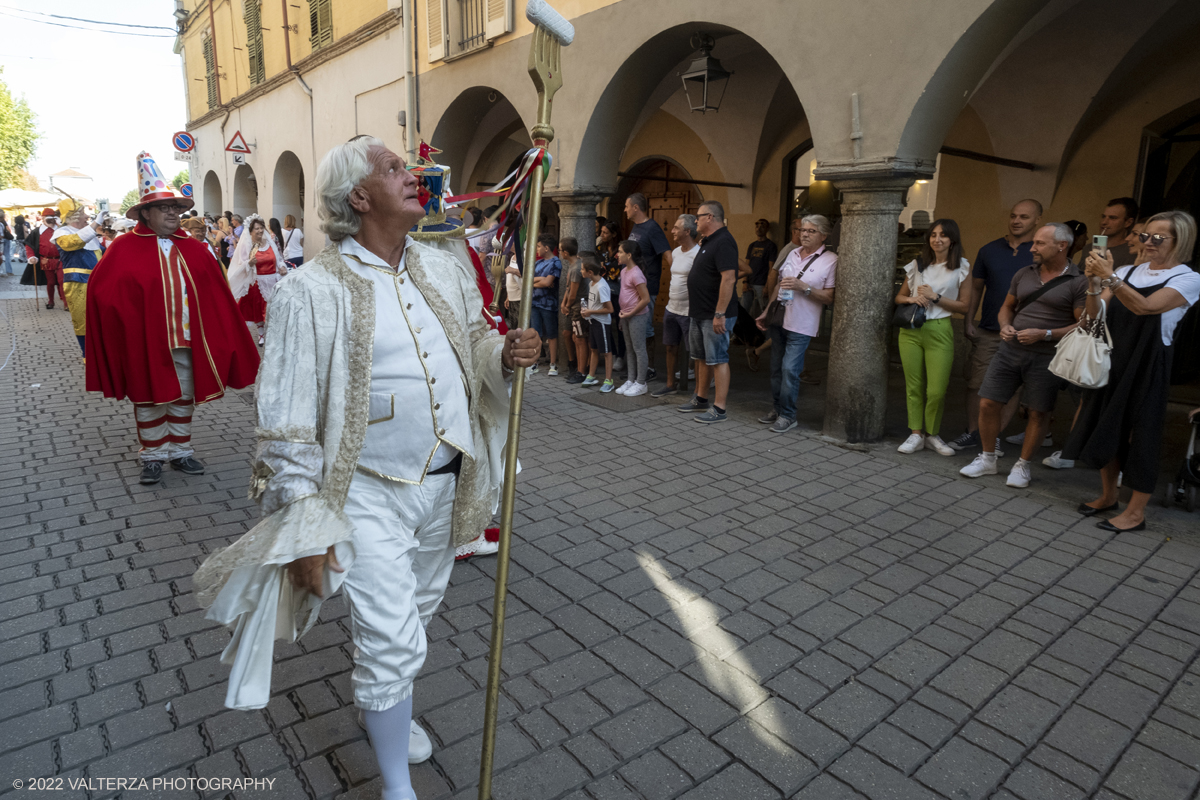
163 328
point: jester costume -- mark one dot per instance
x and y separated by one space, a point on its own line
79 250
163 330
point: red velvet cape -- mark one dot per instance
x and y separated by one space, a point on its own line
127 351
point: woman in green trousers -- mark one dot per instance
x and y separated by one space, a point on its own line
933 281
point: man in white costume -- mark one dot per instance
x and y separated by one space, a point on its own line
382 416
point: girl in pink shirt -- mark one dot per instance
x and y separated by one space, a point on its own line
634 318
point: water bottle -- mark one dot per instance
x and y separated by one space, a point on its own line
785 296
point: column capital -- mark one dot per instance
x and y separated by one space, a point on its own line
579 195
876 174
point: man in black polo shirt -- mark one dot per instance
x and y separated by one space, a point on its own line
713 310
653 244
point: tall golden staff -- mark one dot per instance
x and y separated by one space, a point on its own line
550 34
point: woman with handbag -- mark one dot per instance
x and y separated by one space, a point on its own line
793 316
927 298
1120 425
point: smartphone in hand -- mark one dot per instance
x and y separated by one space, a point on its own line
1100 245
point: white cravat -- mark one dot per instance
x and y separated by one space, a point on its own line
418 391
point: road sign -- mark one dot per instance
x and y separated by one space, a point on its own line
183 156
183 141
237 144
239 158
186 190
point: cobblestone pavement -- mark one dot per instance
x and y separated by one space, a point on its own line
695 612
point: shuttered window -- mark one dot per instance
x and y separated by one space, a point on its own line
320 17
254 41
210 72
435 21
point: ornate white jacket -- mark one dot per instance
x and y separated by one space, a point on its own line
313 394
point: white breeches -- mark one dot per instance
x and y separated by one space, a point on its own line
402 563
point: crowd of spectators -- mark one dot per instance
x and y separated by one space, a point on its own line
1022 294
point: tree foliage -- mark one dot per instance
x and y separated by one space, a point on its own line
183 177
130 198
18 136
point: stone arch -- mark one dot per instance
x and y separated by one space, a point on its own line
245 191
211 199
287 189
479 133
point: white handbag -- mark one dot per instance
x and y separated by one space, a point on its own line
1083 356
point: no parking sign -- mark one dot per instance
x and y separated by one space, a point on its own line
186 190
184 142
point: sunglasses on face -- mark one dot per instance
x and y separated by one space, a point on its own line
171 209
1155 239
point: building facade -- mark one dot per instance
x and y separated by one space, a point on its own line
874 111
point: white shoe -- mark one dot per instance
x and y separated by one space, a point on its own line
982 465
936 444
624 387
479 546
618 363
553 371
419 746
636 389
912 444
1056 461
1018 476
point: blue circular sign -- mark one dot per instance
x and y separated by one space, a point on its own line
183 141
186 190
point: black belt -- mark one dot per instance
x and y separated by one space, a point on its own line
453 467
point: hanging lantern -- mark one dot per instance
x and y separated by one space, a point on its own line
705 80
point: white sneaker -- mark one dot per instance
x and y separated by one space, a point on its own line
419 746
625 387
1018 476
936 444
1056 461
553 371
982 465
912 444
636 389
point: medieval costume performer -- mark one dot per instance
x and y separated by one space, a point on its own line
254 270
79 250
44 254
158 299
382 416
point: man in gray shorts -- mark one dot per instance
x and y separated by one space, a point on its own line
1043 304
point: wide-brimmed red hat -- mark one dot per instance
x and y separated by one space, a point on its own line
153 187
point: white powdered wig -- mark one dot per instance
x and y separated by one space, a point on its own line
539 12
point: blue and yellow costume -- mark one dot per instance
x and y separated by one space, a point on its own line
80 251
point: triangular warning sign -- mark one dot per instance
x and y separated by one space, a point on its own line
237 144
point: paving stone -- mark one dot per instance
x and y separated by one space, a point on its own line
1143 774
962 770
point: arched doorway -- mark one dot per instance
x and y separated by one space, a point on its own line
211 202
668 188
245 191
287 192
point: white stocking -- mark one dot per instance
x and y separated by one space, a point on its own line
388 731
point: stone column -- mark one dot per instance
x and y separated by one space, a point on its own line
856 397
577 216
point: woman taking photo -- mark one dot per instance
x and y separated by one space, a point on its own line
933 282
254 270
1120 425
293 242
